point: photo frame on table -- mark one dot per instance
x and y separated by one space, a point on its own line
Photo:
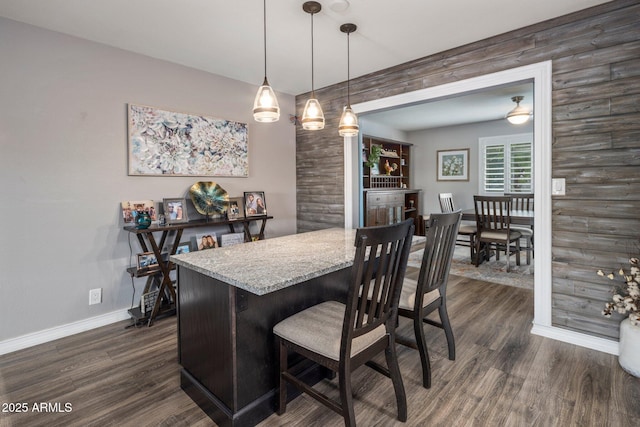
206 241
453 165
236 208
231 239
175 210
147 261
130 209
183 248
254 204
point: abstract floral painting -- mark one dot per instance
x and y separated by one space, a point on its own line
166 143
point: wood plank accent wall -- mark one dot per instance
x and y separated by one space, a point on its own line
596 143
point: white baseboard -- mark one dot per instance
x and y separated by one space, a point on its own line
582 340
40 337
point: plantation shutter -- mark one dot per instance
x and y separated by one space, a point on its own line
506 164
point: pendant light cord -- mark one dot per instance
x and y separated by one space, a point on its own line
348 72
313 93
264 26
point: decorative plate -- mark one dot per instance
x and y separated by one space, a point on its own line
209 198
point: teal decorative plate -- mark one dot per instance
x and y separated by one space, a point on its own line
209 198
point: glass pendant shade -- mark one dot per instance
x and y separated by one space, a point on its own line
265 106
519 115
348 123
312 116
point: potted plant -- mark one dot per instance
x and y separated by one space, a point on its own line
374 156
626 300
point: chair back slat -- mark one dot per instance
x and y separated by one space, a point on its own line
521 201
446 202
438 253
493 213
378 272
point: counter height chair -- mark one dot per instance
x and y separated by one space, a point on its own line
493 221
469 231
342 337
422 297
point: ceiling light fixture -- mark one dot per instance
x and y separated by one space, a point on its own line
349 121
312 116
265 106
518 115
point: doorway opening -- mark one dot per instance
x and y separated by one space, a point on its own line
540 74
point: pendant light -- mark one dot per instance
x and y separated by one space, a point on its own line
349 121
265 106
312 116
519 115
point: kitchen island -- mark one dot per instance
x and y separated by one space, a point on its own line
230 298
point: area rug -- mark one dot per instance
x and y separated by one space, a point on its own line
491 271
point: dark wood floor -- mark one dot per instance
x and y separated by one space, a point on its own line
503 376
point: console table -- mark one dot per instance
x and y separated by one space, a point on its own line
165 302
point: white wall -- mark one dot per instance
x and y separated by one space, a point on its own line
63 168
424 159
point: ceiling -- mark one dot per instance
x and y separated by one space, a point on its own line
225 37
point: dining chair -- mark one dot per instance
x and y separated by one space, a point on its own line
523 202
493 220
469 231
421 297
342 337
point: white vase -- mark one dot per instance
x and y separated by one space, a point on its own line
629 357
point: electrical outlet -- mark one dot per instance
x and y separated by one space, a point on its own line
95 296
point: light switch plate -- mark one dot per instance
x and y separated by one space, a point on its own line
558 187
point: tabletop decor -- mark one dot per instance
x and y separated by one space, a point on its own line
209 198
175 211
167 143
254 203
626 300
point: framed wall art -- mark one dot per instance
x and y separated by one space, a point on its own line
167 143
175 210
254 204
453 165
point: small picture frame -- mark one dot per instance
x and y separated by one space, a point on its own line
183 248
236 208
231 239
254 204
175 210
206 241
453 165
130 209
147 261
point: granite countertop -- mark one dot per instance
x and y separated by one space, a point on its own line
269 265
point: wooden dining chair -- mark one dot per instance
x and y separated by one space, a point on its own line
468 231
523 202
493 220
342 337
421 297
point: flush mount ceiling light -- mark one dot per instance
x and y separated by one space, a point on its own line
349 121
265 106
518 115
339 5
312 116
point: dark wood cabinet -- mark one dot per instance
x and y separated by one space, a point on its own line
387 194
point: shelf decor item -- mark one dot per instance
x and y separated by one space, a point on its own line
209 198
254 204
143 220
175 211
626 300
